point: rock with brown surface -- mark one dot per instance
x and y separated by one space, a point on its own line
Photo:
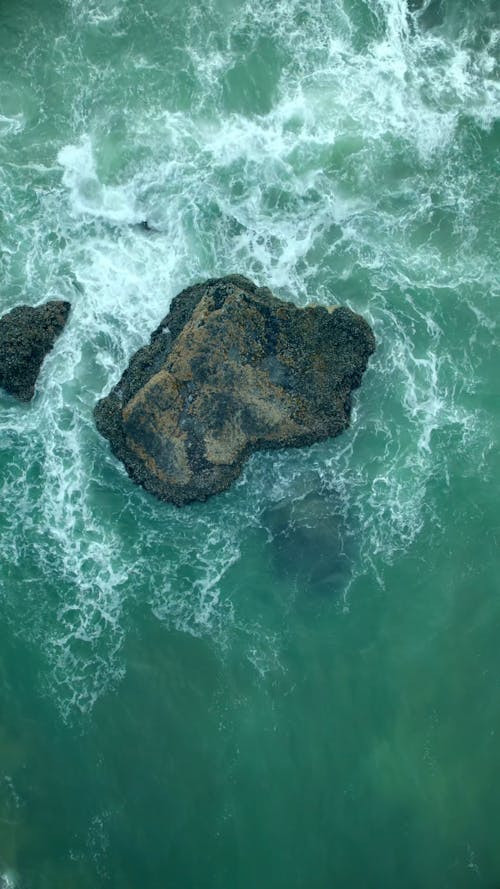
231 370
27 334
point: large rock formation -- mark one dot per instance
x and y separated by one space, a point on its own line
230 370
26 335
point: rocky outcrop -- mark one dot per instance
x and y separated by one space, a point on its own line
230 370
27 334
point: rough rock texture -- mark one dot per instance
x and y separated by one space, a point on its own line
230 370
26 335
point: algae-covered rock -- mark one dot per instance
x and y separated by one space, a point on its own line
27 334
231 370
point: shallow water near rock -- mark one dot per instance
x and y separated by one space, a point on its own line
218 696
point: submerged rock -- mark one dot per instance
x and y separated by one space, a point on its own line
231 370
27 334
312 545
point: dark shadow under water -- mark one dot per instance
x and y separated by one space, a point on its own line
313 546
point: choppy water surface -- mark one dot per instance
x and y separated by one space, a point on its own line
296 683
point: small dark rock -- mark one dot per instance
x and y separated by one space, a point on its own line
146 227
27 334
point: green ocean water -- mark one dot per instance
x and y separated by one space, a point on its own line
295 685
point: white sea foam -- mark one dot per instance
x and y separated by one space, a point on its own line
88 195
11 125
96 12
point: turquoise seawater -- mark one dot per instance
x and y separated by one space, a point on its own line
295 685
